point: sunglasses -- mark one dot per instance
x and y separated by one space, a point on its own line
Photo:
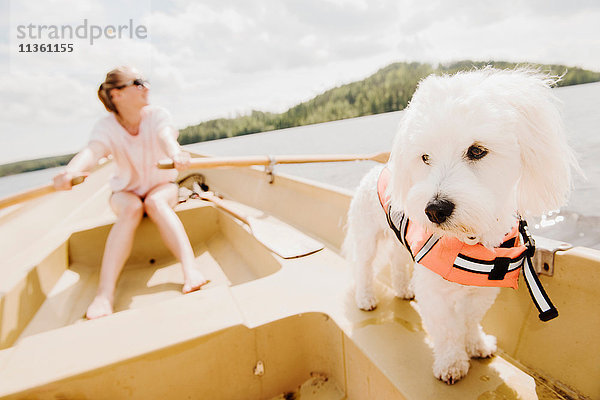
139 82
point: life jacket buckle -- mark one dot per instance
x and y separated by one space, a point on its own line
500 269
528 240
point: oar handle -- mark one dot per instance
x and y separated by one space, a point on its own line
216 162
77 180
34 193
246 161
166 164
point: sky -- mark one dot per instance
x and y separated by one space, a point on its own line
220 58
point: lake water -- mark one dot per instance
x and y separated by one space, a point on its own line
578 223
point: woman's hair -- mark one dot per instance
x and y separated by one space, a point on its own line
114 79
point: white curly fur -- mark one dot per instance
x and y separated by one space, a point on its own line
515 116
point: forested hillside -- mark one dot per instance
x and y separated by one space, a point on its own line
389 89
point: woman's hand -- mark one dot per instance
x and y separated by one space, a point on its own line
83 161
181 160
62 181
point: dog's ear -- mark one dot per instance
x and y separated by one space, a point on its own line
400 182
546 158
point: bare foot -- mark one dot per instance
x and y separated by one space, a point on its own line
100 307
194 281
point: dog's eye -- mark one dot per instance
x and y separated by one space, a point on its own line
425 158
476 152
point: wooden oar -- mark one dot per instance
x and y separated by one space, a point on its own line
278 237
34 193
246 161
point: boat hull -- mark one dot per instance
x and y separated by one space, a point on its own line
282 325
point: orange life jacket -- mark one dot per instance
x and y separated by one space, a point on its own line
473 265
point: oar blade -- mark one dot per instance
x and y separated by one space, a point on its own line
282 239
381 157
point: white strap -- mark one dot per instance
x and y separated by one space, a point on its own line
433 239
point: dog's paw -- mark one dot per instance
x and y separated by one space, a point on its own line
451 372
366 302
483 346
405 293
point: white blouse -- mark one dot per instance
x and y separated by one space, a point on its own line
136 156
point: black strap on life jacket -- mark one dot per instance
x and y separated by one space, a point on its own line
536 290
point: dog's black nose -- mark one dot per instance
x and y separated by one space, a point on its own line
438 210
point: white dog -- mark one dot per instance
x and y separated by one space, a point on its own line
473 151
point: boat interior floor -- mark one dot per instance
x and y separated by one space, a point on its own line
151 275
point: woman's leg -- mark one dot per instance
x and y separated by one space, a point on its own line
129 210
159 205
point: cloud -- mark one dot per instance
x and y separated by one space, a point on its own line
271 35
354 18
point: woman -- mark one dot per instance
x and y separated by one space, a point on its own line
137 135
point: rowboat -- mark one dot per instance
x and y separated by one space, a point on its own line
269 325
